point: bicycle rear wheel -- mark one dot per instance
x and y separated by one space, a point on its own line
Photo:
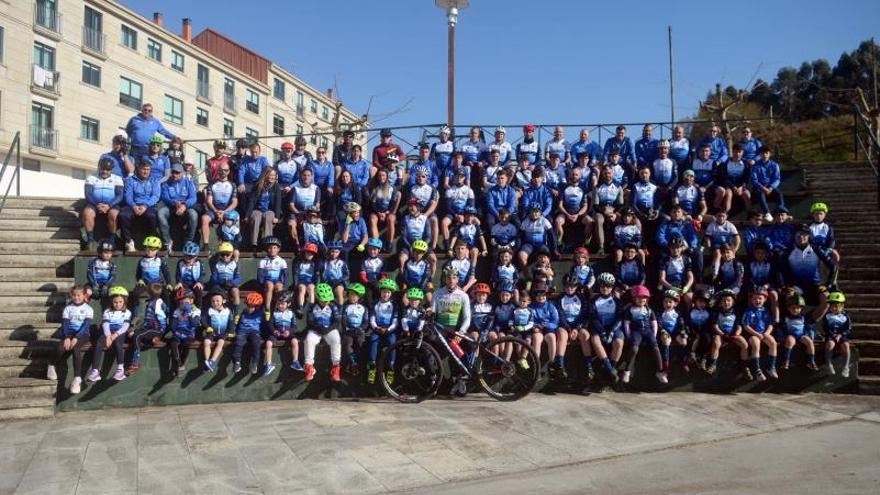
417 370
507 379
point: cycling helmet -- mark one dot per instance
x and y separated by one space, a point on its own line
640 291
225 247
335 245
836 297
284 296
375 243
702 294
445 130
672 294
105 246
677 241
190 249
607 279
324 292
450 271
482 287
726 293
540 288
627 210
760 291
157 140
357 288
351 206
117 290
231 215
310 247
120 139
219 143
501 129
582 250
664 143
507 286
388 284
241 143
152 242
570 280
271 240
254 299
415 293
818 206
796 300
420 245
183 293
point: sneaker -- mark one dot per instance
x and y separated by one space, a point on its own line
51 374
523 363
747 374
169 245
94 376
211 365
830 369
624 377
296 365
461 388
119 375
181 368
132 369
773 374
590 374
661 377
354 369
389 377
310 372
760 376
129 246
236 367
685 367
768 217
92 246
254 368
812 366
710 370
845 372
371 374
785 365
268 369
335 371
561 373
76 386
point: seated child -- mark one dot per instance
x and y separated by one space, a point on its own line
76 322
115 326
217 324
281 327
640 323
186 321
383 323
152 327
101 272
323 318
355 323
248 330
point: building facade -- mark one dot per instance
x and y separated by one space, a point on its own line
72 72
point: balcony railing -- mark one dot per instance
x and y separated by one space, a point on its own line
300 111
45 138
94 39
45 79
46 16
203 90
229 102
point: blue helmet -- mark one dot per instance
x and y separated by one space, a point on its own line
190 249
335 245
470 210
375 242
507 286
270 240
231 215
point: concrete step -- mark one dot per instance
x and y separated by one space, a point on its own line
866 331
47 286
42 202
860 300
19 211
48 247
39 234
24 388
27 408
864 315
25 367
862 273
867 348
7 223
869 366
834 164
42 317
869 385
860 286
28 332
861 260
35 274
31 261
33 299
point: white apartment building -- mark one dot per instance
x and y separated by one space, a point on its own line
72 72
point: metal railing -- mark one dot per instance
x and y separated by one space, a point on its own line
94 39
866 143
44 137
229 102
46 16
14 152
203 90
47 79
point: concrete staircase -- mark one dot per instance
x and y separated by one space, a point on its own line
39 238
850 190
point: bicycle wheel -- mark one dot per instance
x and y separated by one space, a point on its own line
416 367
507 379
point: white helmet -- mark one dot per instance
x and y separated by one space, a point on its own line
445 130
500 128
607 279
664 143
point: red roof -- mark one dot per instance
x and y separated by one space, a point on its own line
233 54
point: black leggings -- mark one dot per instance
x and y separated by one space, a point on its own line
78 354
177 356
352 341
98 351
143 339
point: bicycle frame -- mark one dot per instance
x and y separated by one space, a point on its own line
439 335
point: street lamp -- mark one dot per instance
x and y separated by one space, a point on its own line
452 8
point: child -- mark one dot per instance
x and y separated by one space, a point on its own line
698 321
838 330
754 232
628 232
573 319
734 176
152 326
672 332
606 325
821 234
542 270
185 323
607 197
536 232
76 321
412 316
217 324
726 328
504 234
248 328
273 272
355 321
281 326
189 273
416 227
640 323
459 197
372 267
224 273
418 271
758 327
470 233
780 234
766 179
630 270
313 229
729 274
322 321
675 270
101 272
115 325
334 271
719 233
504 310
689 197
151 268
463 265
504 271
761 271
522 322
547 328
797 327
230 231
582 271
383 323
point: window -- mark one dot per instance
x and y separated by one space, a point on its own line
279 89
250 135
299 130
252 101
173 110
201 159
91 74
42 132
314 107
325 113
154 50
89 129
44 75
130 93
313 139
2 42
93 34
228 128
44 56
201 117
47 15
300 104
203 88
129 37
278 124
229 94
276 155
177 61
324 142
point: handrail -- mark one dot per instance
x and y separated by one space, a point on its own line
16 175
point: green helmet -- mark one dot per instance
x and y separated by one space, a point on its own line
420 245
388 283
415 293
819 206
117 290
157 140
153 242
357 288
836 297
324 292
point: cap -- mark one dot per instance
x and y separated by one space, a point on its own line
780 209
177 168
348 133
529 128
105 164
287 145
385 132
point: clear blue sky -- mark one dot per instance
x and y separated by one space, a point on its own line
573 61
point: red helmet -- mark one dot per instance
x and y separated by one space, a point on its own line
310 247
582 250
482 287
640 291
529 128
287 145
254 299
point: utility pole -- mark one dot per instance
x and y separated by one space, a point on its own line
452 7
672 81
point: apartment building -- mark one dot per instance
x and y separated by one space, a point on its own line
72 72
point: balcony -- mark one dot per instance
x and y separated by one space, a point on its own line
203 92
229 103
94 40
47 19
44 139
45 81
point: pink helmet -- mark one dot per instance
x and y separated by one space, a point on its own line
640 291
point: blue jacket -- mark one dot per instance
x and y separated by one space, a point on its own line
142 192
626 149
250 169
670 229
324 174
161 166
360 172
750 149
540 196
546 315
646 151
497 198
591 148
179 190
766 174
140 130
118 164
720 153
109 191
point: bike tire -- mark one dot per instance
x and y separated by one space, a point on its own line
414 380
505 380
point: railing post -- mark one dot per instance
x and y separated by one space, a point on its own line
855 137
18 166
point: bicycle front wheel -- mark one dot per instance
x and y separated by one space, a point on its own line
507 368
410 370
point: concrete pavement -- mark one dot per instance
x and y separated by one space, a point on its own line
627 442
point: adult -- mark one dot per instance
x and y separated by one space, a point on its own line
141 128
679 148
343 152
216 162
304 197
387 156
302 157
141 195
473 149
159 163
558 145
286 167
623 145
646 147
529 147
505 150
501 196
178 204
717 144
251 168
384 201
585 145
220 198
264 206
324 176
751 147
103 192
358 167
241 152
425 164
123 166
441 151
346 191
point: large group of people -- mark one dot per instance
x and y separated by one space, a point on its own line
368 234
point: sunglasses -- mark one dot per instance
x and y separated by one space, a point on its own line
223 171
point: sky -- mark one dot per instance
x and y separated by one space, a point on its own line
518 61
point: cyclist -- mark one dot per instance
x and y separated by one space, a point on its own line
451 306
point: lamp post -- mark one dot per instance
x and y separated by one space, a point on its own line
452 8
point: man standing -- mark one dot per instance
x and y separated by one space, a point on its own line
387 155
343 152
559 146
720 154
646 147
585 145
529 147
141 128
505 150
123 166
623 145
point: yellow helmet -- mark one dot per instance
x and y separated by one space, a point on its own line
225 247
836 297
818 207
117 290
153 242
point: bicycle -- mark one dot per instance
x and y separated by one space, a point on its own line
418 367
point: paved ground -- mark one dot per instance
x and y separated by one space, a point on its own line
682 443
